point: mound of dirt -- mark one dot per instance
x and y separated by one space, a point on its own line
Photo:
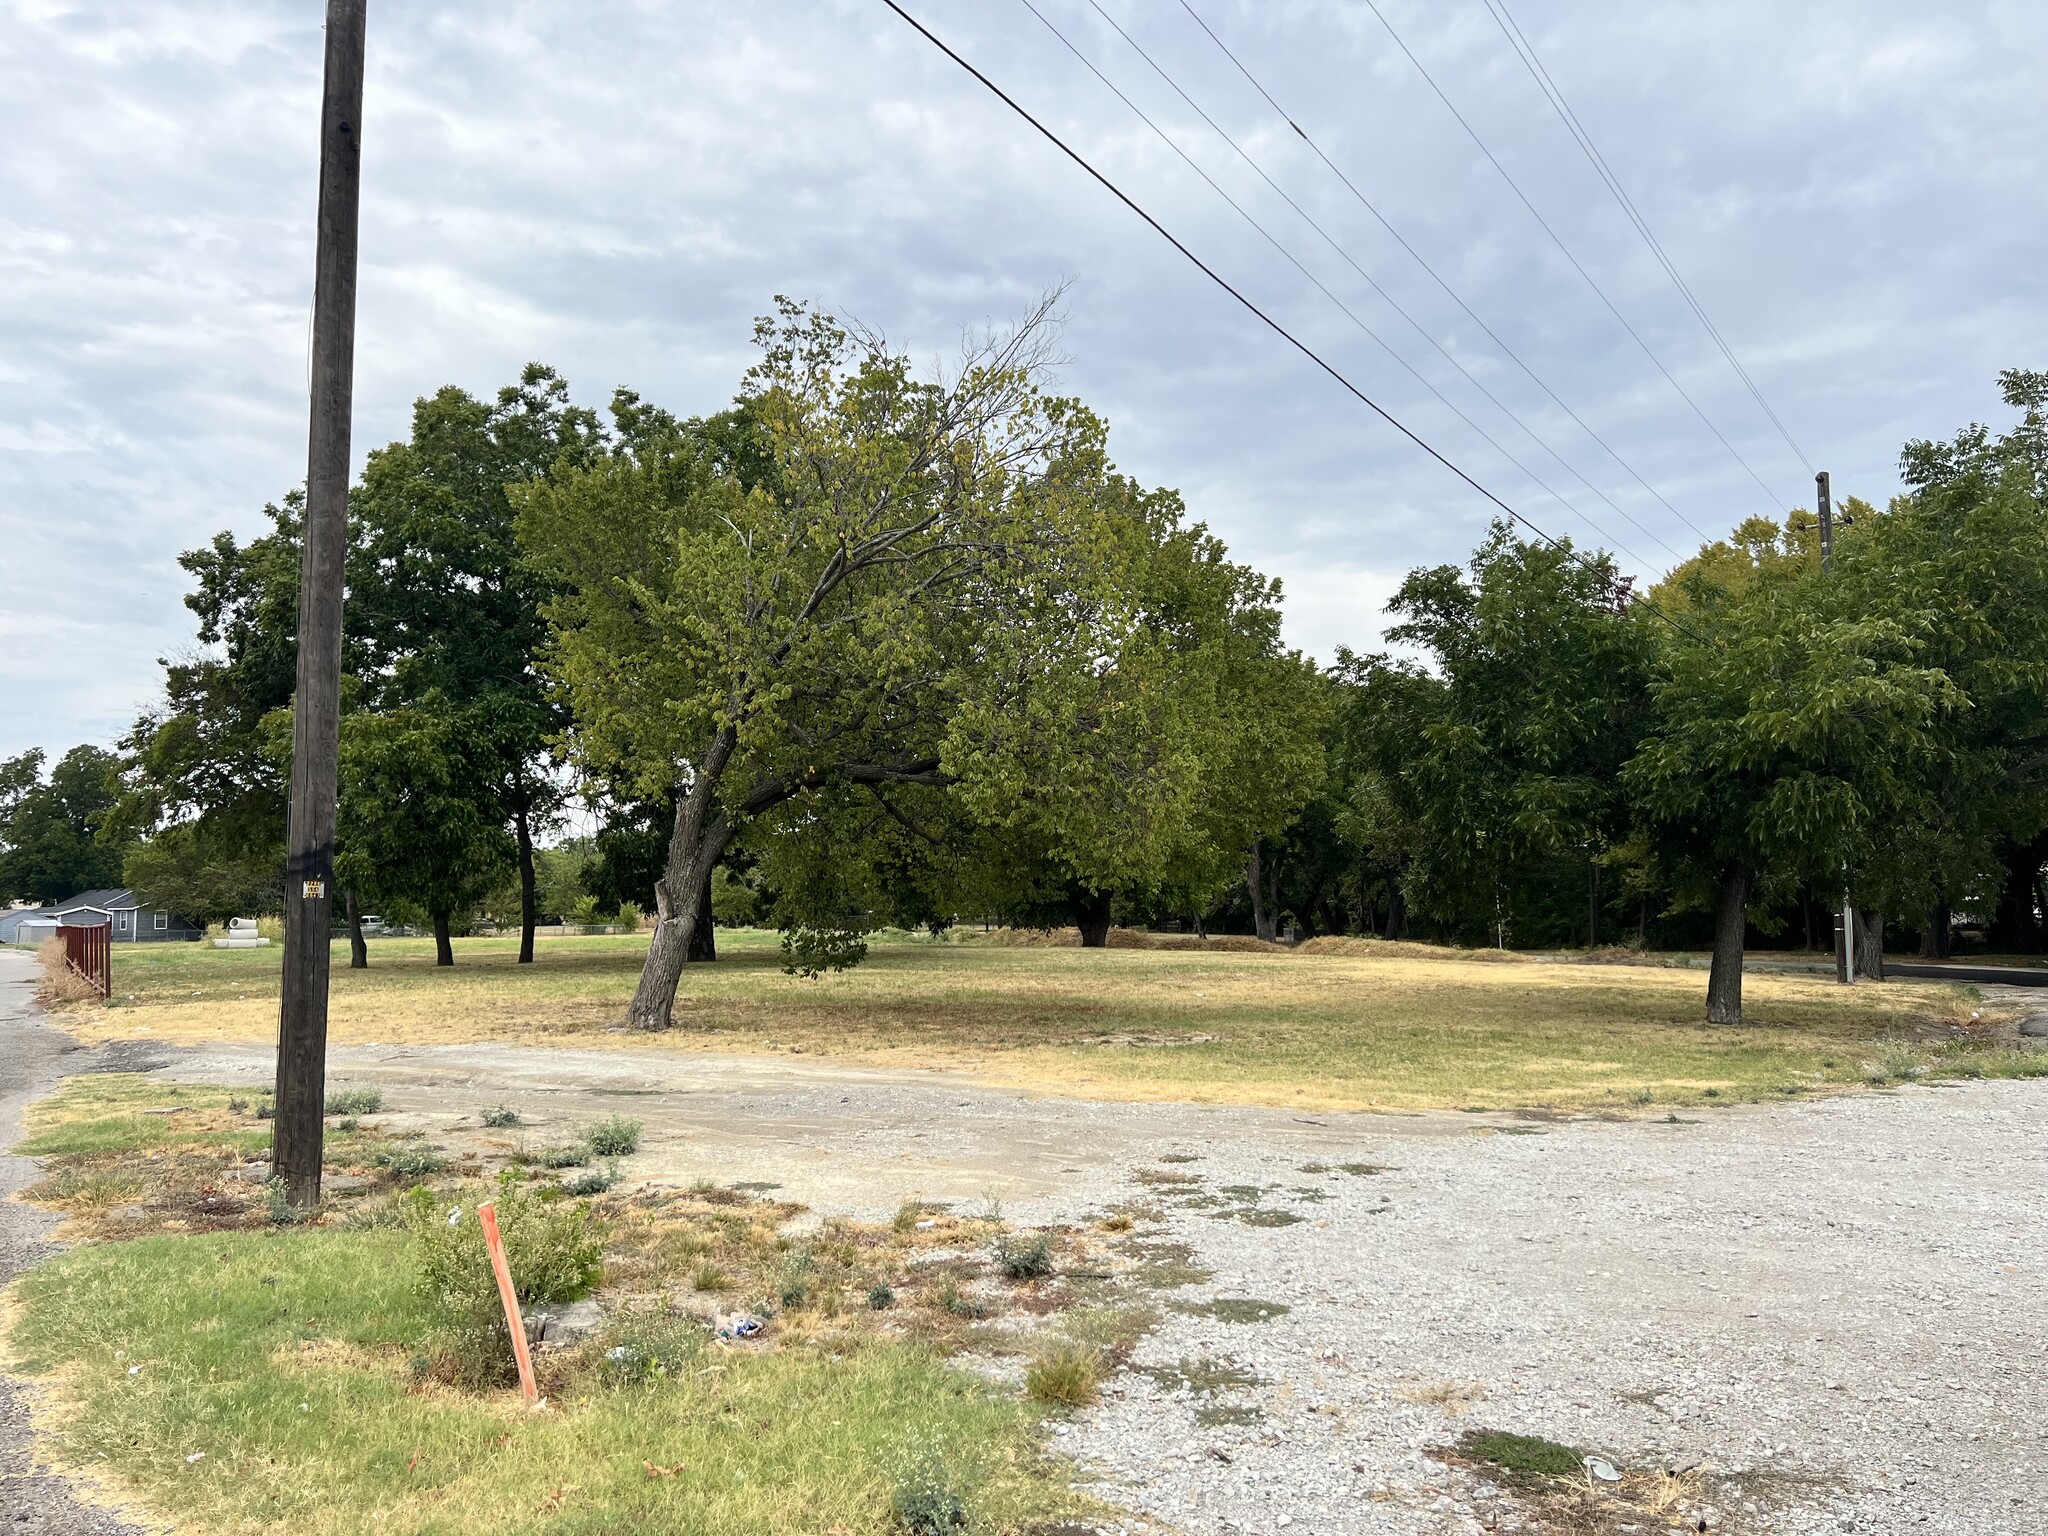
1125 938
1400 949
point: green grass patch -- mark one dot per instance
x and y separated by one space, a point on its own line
110 1113
1520 1455
252 1382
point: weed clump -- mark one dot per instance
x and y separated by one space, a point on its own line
925 1501
499 1118
1065 1373
411 1163
880 1298
1025 1257
649 1348
555 1248
592 1181
354 1101
614 1136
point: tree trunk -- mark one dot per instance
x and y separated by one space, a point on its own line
1091 912
1593 905
522 828
694 846
1265 916
1724 981
358 951
444 950
703 937
1397 909
1870 943
1937 942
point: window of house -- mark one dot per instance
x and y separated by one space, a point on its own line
163 921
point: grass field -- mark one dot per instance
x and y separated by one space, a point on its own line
1399 1029
233 1376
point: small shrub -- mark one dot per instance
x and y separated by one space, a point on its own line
1065 1373
709 1277
1025 1257
500 1118
646 1349
555 1249
961 1303
411 1162
925 1501
574 1155
880 1298
282 1212
592 1181
238 1106
1117 1221
615 1136
355 1101
793 1284
266 1110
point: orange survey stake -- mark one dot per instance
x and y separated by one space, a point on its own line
487 1214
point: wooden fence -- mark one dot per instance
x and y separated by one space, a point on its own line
91 953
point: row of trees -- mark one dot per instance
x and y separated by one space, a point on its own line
872 648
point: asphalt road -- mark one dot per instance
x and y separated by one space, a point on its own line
32 1058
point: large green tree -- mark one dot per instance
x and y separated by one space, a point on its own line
203 779
891 584
1541 671
1792 727
51 843
445 611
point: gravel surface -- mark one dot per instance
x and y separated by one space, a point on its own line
32 1058
1834 1309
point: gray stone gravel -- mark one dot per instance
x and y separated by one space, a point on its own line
1835 1307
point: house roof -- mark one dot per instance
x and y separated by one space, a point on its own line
119 899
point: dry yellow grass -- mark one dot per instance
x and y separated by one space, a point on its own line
1349 1024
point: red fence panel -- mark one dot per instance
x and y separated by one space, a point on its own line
91 953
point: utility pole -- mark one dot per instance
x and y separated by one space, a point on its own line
1827 521
1845 924
316 712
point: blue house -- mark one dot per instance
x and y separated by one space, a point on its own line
121 911
27 925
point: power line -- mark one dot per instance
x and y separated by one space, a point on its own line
1526 51
1456 298
1267 320
1350 261
1577 266
1346 309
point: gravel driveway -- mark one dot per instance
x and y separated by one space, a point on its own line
1829 1314
1836 1308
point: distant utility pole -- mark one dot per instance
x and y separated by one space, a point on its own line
1827 521
1845 924
316 714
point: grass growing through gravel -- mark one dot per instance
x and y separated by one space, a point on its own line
238 1376
1398 1027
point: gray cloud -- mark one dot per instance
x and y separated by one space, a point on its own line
618 188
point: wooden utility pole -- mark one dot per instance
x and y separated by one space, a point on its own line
1845 924
316 713
1827 521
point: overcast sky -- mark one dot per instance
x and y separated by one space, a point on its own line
1852 190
